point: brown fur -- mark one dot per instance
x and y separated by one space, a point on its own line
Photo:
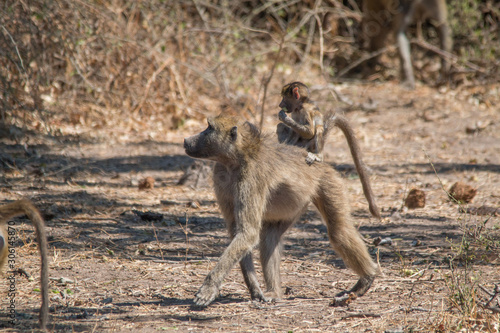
383 17
22 207
262 188
306 128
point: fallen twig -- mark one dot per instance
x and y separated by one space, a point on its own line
415 308
361 315
166 261
363 59
494 294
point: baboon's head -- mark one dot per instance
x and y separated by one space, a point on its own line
225 140
293 96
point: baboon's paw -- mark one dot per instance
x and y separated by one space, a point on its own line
343 299
206 295
259 297
311 158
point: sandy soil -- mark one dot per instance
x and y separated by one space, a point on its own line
114 271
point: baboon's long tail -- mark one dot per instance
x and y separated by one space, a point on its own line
342 123
21 207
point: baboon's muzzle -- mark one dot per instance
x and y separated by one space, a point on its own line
194 147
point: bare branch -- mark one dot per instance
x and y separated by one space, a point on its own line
447 55
363 59
268 80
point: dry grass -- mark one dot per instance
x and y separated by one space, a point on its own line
98 64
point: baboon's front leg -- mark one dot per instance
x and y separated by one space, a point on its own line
305 131
240 245
404 20
248 270
283 133
245 227
405 58
446 44
270 255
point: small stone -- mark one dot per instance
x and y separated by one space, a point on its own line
415 199
147 183
462 192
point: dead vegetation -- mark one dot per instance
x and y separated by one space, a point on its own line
98 64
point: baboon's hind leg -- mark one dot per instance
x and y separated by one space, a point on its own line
345 240
437 13
406 67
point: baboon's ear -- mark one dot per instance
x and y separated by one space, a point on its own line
234 133
296 92
210 121
253 129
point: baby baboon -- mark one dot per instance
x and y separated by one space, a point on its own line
306 128
382 17
22 207
262 188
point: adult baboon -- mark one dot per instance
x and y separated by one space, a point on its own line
383 17
262 188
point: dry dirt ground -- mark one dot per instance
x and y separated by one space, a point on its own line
115 269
